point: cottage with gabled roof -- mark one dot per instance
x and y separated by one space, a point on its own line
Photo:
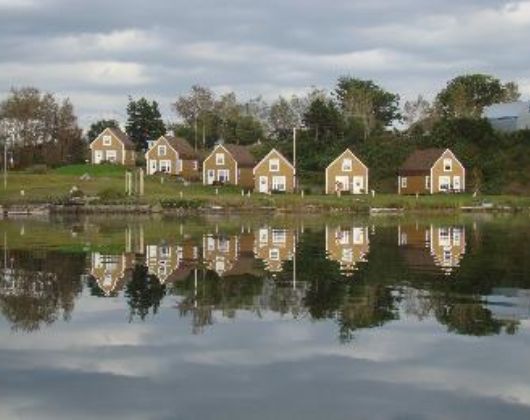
274 173
431 171
173 155
347 173
229 164
113 146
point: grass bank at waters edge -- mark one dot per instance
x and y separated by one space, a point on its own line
108 183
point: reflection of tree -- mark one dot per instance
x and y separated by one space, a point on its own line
366 307
36 289
213 293
144 293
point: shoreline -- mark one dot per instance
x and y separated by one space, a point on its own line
142 208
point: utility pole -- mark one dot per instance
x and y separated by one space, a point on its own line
5 163
294 159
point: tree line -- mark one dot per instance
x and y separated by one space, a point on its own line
356 113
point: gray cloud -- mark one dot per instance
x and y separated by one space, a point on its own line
100 52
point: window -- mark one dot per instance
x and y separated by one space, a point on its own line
346 165
343 237
448 165
404 182
403 238
223 175
161 150
107 140
179 165
195 165
219 158
274 165
278 183
444 237
444 183
279 236
165 166
164 251
111 155
263 235
457 236
427 182
358 236
274 254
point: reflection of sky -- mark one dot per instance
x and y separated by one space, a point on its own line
101 366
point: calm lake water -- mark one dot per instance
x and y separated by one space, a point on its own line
265 318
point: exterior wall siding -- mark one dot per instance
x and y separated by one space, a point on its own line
415 185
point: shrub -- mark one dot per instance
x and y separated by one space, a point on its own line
37 169
111 194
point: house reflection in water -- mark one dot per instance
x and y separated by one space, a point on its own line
348 246
425 247
229 255
274 247
111 271
170 263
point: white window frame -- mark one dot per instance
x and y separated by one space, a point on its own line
448 165
111 156
164 165
225 173
403 182
346 168
195 165
219 159
162 150
428 182
279 236
455 178
279 183
274 254
274 165
440 183
107 140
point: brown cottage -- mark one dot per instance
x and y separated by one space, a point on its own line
113 146
170 263
347 174
427 247
173 155
274 173
229 164
431 171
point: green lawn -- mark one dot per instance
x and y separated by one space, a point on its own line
108 182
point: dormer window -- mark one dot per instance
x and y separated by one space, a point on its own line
107 140
219 158
274 165
346 165
448 165
161 150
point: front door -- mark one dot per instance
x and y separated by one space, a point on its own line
263 184
358 184
152 167
98 156
211 176
342 183
456 183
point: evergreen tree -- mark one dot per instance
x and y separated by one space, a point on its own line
144 122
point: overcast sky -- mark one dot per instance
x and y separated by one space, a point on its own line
97 52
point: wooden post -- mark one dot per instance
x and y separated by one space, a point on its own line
141 175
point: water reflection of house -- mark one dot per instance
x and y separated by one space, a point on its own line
274 246
111 271
170 263
348 246
426 247
220 252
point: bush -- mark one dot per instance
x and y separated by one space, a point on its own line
37 169
111 194
176 203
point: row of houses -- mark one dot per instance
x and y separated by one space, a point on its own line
427 171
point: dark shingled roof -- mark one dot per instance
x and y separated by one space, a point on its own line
241 154
183 148
421 161
124 138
